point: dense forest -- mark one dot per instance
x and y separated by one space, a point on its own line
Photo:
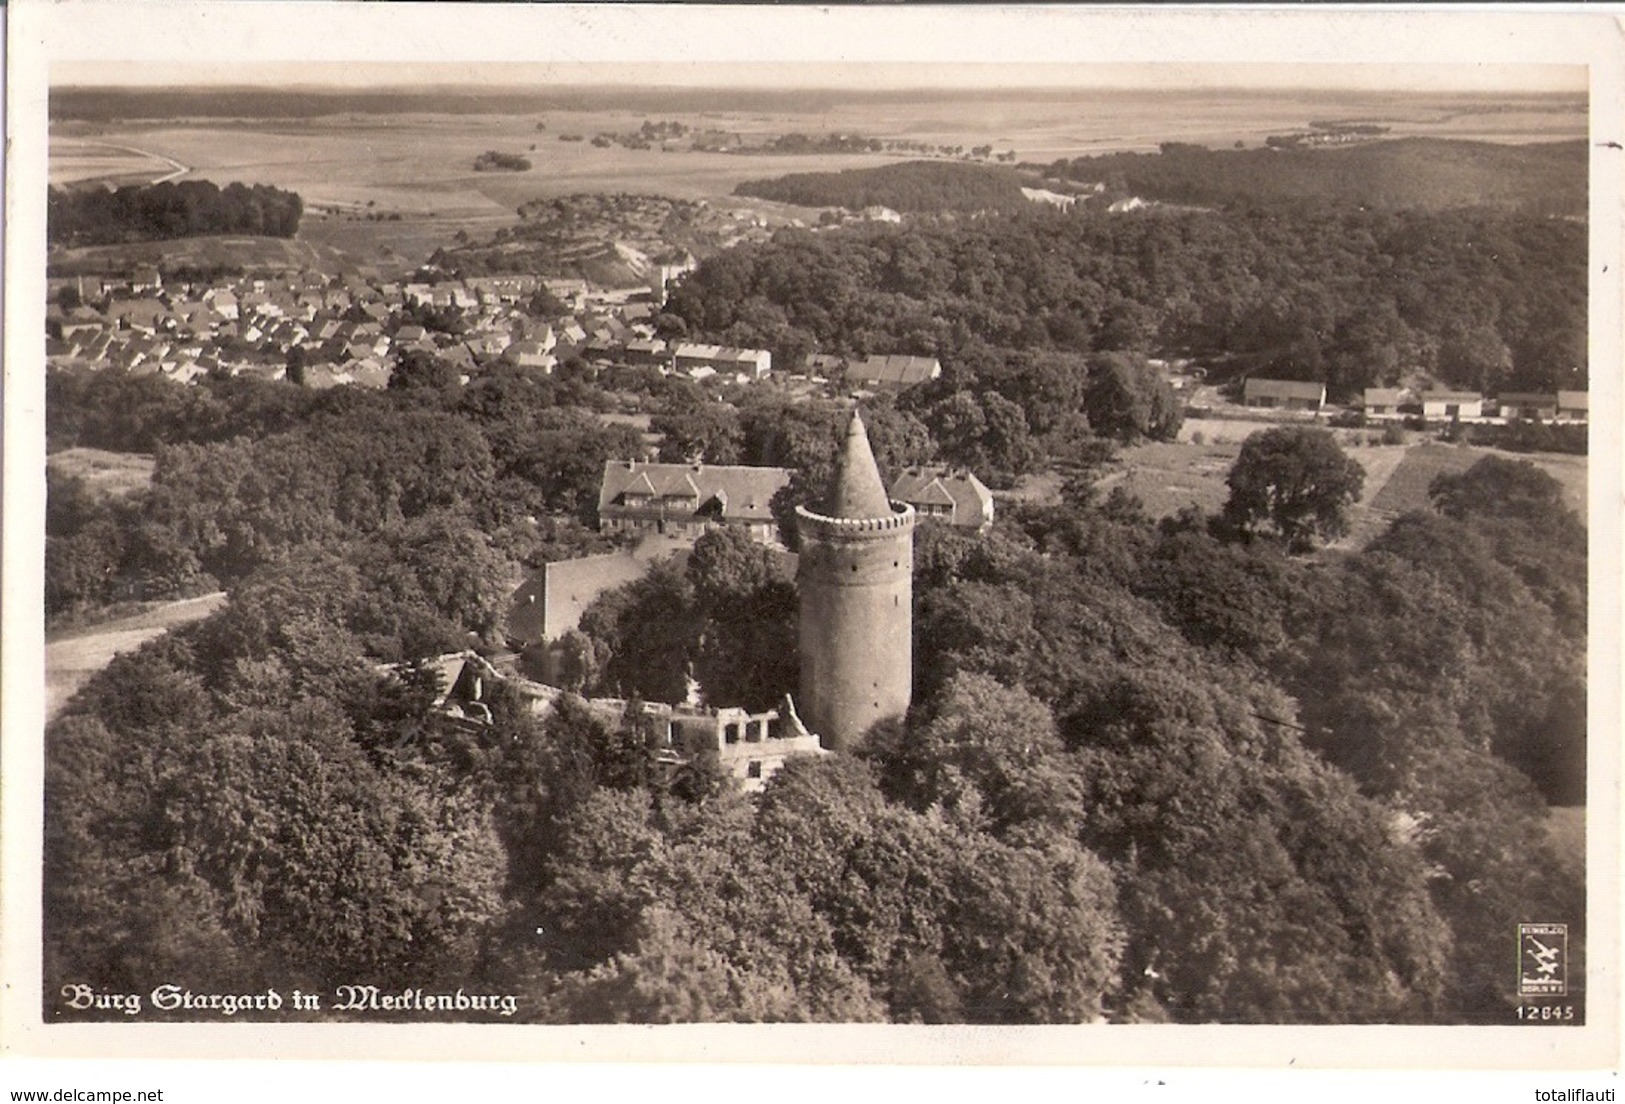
1472 298
1414 173
158 212
916 186
1154 772
1405 173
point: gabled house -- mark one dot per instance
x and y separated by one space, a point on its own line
955 498
142 315
224 304
530 354
685 500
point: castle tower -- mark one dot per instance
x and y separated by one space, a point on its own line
856 580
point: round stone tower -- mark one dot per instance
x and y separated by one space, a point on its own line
856 581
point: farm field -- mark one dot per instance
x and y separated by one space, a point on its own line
1407 488
1039 124
81 159
73 657
114 474
421 163
1167 476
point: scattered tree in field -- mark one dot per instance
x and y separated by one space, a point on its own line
497 161
1292 483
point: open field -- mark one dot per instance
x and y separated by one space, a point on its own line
1170 475
87 159
417 163
1407 488
1167 476
73 657
114 474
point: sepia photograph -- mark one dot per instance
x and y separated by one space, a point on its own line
1041 520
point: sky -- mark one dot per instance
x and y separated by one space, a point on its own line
854 75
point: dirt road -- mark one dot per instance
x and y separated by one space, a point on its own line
70 660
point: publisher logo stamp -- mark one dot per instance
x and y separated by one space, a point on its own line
1543 960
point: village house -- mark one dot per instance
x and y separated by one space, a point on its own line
955 498
647 353
572 293
1451 405
685 500
1573 406
1270 394
700 361
530 354
1528 406
223 303
1381 402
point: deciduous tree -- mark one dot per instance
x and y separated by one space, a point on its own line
1292 483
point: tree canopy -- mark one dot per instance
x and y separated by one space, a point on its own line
1293 483
179 209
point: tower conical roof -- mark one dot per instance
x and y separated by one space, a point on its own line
856 491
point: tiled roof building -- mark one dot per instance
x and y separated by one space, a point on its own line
687 499
894 371
958 498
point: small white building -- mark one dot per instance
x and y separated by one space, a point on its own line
1451 405
1573 406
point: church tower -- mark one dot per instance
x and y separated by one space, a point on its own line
856 581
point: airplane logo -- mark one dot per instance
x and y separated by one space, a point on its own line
1543 953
